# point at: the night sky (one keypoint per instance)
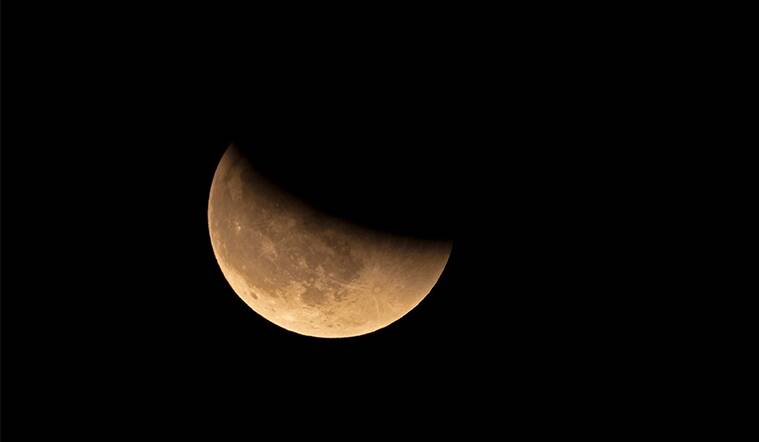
(116, 316)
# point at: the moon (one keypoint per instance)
(307, 271)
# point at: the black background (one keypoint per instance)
(116, 317)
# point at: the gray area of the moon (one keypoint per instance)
(306, 271)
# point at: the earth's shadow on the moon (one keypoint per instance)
(380, 184)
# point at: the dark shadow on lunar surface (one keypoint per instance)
(388, 181)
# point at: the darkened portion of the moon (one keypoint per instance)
(306, 270)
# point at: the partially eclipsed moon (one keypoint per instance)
(306, 271)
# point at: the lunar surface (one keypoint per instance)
(306, 271)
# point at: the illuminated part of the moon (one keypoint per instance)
(306, 271)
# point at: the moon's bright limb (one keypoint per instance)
(306, 271)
